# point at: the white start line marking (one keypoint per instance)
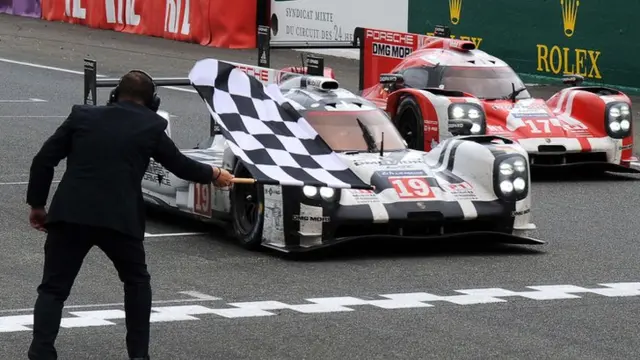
(414, 300)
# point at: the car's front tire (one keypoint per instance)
(247, 210)
(408, 121)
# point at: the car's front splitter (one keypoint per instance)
(487, 237)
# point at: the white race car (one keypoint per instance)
(466, 186)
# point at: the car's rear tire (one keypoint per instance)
(247, 210)
(408, 121)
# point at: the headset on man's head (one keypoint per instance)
(152, 103)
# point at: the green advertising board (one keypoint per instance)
(545, 38)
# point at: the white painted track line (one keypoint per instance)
(32, 100)
(31, 116)
(148, 235)
(180, 89)
(69, 71)
(23, 182)
(24, 63)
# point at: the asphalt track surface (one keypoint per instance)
(247, 305)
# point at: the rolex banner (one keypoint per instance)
(544, 39)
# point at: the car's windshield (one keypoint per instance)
(484, 82)
(340, 129)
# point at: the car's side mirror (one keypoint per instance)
(392, 82)
(572, 79)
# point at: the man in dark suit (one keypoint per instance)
(99, 202)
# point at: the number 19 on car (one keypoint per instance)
(412, 187)
(202, 199)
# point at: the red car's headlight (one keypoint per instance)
(618, 119)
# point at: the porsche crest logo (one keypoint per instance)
(455, 8)
(455, 13)
(569, 16)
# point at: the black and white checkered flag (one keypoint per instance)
(276, 144)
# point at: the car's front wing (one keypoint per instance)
(603, 154)
(299, 224)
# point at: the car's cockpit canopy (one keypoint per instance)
(346, 122)
(484, 82)
(346, 128)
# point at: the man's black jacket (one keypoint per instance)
(108, 149)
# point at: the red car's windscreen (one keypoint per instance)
(341, 131)
(483, 82)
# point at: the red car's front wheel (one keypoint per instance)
(408, 121)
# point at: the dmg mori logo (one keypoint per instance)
(455, 7)
(569, 15)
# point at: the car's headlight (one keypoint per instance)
(511, 177)
(466, 119)
(325, 193)
(618, 119)
(310, 191)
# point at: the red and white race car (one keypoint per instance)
(435, 87)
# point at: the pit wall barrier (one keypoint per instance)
(544, 39)
(216, 23)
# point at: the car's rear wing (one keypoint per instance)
(379, 50)
(93, 81)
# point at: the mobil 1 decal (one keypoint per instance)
(408, 184)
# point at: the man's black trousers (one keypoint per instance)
(64, 251)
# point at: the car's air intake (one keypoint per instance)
(320, 82)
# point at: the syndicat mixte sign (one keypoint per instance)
(333, 20)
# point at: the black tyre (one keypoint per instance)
(408, 121)
(247, 210)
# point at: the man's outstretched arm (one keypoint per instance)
(167, 154)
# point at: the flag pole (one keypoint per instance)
(243, 181)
